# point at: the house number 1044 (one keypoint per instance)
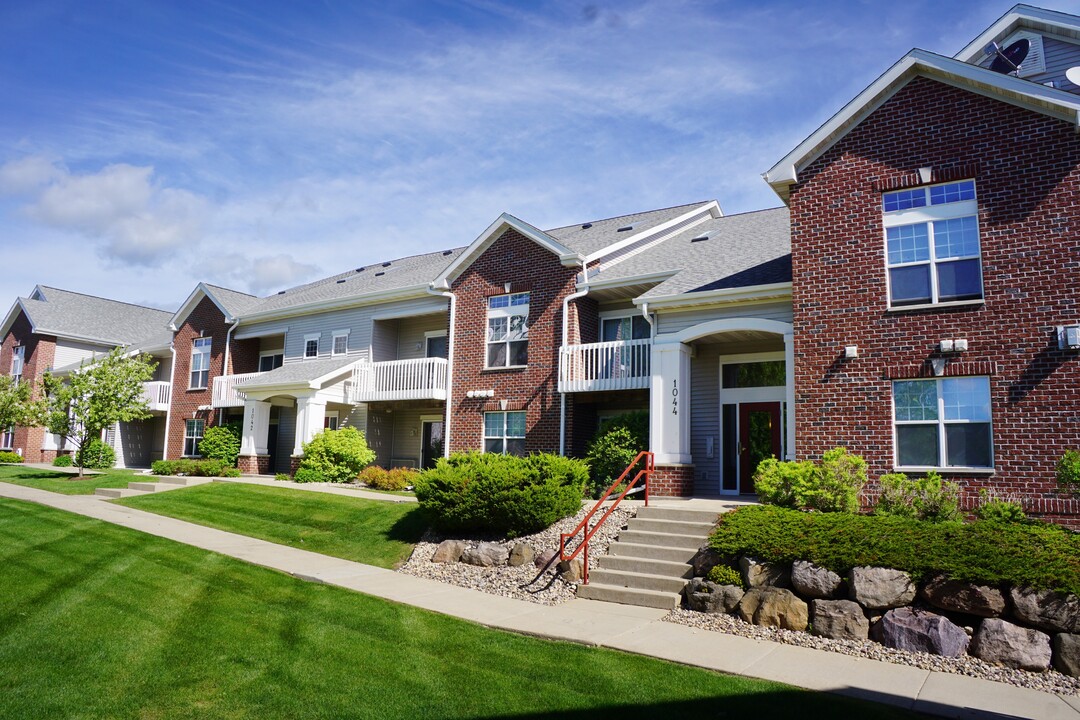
(674, 396)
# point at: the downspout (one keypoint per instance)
(228, 344)
(565, 337)
(449, 363)
(648, 319)
(172, 392)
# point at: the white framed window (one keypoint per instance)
(270, 360)
(7, 438)
(18, 359)
(311, 346)
(508, 330)
(330, 420)
(504, 433)
(193, 435)
(200, 364)
(932, 248)
(627, 327)
(435, 344)
(943, 423)
(341, 343)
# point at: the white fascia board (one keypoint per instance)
(1025, 93)
(721, 296)
(190, 304)
(490, 235)
(712, 206)
(337, 304)
(1021, 16)
(601, 284)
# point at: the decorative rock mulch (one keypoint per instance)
(506, 580)
(1049, 681)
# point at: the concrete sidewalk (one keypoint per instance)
(632, 629)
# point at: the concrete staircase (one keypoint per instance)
(649, 563)
(159, 484)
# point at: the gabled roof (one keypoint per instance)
(1021, 17)
(1047, 100)
(231, 303)
(86, 318)
(307, 374)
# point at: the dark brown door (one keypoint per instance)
(759, 439)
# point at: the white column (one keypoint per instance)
(310, 414)
(789, 366)
(669, 404)
(256, 428)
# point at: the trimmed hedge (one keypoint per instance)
(95, 455)
(193, 468)
(1032, 554)
(396, 479)
(63, 461)
(334, 456)
(10, 457)
(221, 442)
(487, 493)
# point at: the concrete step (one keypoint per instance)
(636, 581)
(641, 565)
(640, 537)
(675, 527)
(149, 486)
(680, 514)
(176, 480)
(118, 492)
(651, 552)
(629, 596)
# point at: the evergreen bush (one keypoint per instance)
(616, 444)
(1068, 472)
(335, 456)
(725, 575)
(221, 442)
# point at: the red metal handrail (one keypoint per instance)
(645, 472)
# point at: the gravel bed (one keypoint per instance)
(506, 581)
(1050, 681)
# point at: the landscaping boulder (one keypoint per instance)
(449, 551)
(486, 554)
(839, 620)
(916, 630)
(521, 554)
(757, 573)
(878, 588)
(999, 641)
(544, 558)
(774, 607)
(809, 580)
(1046, 609)
(571, 571)
(1066, 655)
(709, 597)
(704, 560)
(963, 597)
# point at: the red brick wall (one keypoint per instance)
(513, 259)
(672, 481)
(204, 321)
(38, 357)
(1028, 185)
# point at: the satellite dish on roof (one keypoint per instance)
(1008, 60)
(1073, 75)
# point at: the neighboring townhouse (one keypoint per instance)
(57, 330)
(935, 233)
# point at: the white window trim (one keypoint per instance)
(209, 345)
(187, 437)
(271, 353)
(434, 333)
(928, 214)
(18, 353)
(317, 338)
(507, 313)
(941, 424)
(333, 344)
(504, 437)
(605, 315)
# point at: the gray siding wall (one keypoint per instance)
(384, 340)
(411, 337)
(271, 343)
(135, 444)
(672, 322)
(705, 419)
(407, 446)
(163, 372)
(286, 436)
(380, 434)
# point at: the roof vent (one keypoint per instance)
(280, 292)
(379, 273)
(341, 281)
(447, 252)
(360, 269)
(625, 228)
(386, 264)
(700, 238)
(586, 226)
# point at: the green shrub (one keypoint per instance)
(781, 483)
(335, 456)
(725, 575)
(283, 477)
(381, 479)
(925, 498)
(994, 508)
(608, 456)
(1068, 472)
(1038, 555)
(95, 455)
(308, 475)
(833, 486)
(484, 492)
(221, 442)
(63, 461)
(10, 457)
(193, 468)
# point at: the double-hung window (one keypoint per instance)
(943, 423)
(193, 435)
(18, 357)
(932, 247)
(311, 346)
(508, 330)
(200, 364)
(504, 432)
(7, 438)
(341, 343)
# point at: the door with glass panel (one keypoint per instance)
(752, 419)
(432, 448)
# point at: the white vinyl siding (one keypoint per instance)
(69, 352)
(413, 332)
(704, 410)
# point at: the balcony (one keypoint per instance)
(616, 365)
(421, 379)
(157, 395)
(225, 392)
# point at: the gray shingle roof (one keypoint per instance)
(300, 372)
(603, 233)
(234, 301)
(743, 250)
(68, 314)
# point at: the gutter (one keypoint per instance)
(724, 295)
(565, 336)
(340, 303)
(446, 293)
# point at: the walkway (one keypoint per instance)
(620, 627)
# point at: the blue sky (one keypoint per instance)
(145, 146)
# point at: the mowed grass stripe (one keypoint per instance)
(135, 626)
(368, 531)
(64, 483)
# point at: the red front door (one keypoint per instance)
(759, 439)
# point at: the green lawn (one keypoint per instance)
(98, 621)
(368, 531)
(60, 482)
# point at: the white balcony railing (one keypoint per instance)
(420, 379)
(157, 395)
(225, 390)
(616, 365)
